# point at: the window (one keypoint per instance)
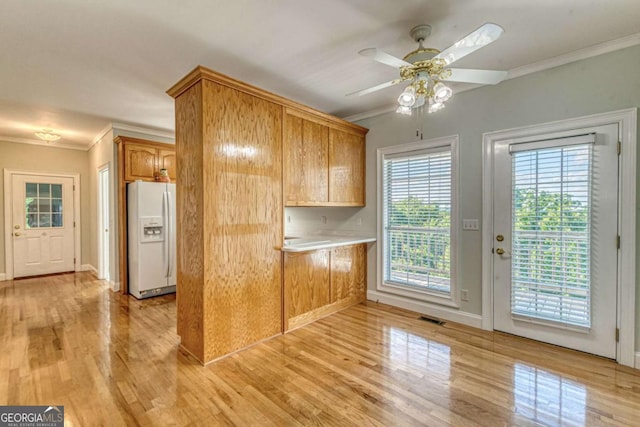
(418, 219)
(43, 203)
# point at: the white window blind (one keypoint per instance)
(417, 219)
(551, 235)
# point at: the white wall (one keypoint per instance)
(605, 83)
(41, 158)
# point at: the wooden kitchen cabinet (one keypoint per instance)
(306, 154)
(324, 162)
(346, 168)
(167, 160)
(140, 162)
(318, 283)
(348, 274)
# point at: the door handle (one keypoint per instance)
(17, 234)
(500, 251)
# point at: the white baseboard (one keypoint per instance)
(3, 277)
(444, 313)
(88, 267)
(638, 360)
(114, 286)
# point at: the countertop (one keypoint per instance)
(312, 243)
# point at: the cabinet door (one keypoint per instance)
(348, 273)
(140, 163)
(306, 285)
(346, 168)
(305, 162)
(167, 160)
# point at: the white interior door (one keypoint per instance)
(104, 221)
(43, 225)
(555, 243)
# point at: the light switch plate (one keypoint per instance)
(470, 224)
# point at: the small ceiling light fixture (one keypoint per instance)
(48, 135)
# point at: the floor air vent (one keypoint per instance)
(431, 319)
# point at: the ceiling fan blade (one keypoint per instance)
(488, 33)
(484, 77)
(374, 88)
(384, 57)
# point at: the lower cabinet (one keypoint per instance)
(321, 282)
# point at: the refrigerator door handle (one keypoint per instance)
(165, 208)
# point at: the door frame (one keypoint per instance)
(627, 132)
(104, 270)
(8, 200)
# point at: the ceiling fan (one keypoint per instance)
(426, 68)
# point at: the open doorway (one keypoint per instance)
(103, 223)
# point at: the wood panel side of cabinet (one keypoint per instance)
(189, 223)
(242, 225)
(348, 273)
(305, 170)
(306, 283)
(140, 162)
(346, 168)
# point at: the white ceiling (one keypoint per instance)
(77, 65)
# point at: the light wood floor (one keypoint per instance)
(112, 360)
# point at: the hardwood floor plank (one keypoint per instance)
(113, 360)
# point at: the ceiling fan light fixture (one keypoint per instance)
(436, 106)
(441, 92)
(408, 97)
(403, 109)
(48, 135)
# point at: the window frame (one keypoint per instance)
(419, 147)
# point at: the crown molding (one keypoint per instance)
(577, 55)
(567, 58)
(43, 144)
(147, 131)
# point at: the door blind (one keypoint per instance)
(417, 220)
(551, 234)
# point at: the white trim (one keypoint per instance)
(8, 197)
(453, 299)
(114, 286)
(3, 277)
(108, 128)
(88, 267)
(63, 145)
(147, 131)
(100, 273)
(627, 125)
(444, 313)
(578, 55)
(638, 360)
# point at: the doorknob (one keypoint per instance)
(500, 251)
(17, 234)
(17, 227)
(499, 237)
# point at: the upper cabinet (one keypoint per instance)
(142, 160)
(346, 168)
(323, 161)
(306, 157)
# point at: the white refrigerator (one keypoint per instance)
(152, 238)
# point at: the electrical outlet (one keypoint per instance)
(464, 294)
(288, 219)
(470, 224)
(359, 221)
(323, 219)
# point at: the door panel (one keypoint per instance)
(43, 225)
(555, 253)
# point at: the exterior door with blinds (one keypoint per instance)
(555, 243)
